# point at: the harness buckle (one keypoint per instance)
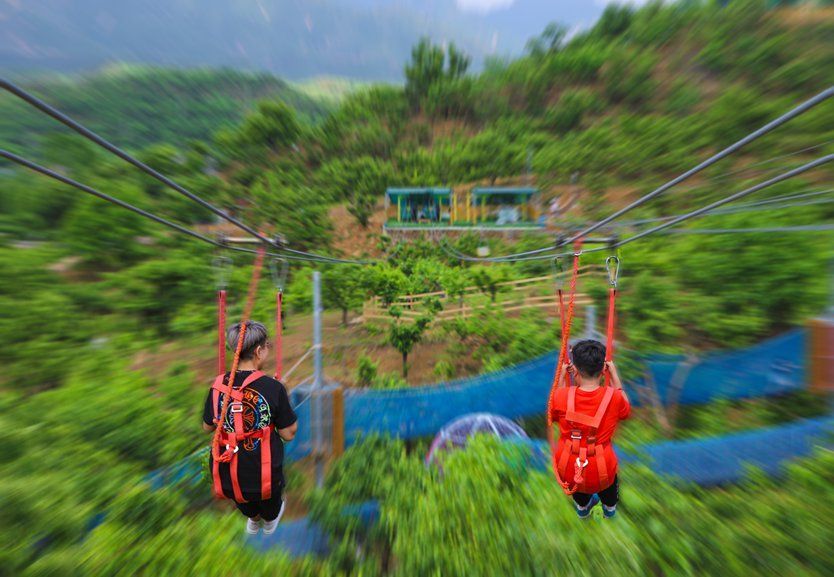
(236, 407)
(576, 435)
(237, 448)
(579, 464)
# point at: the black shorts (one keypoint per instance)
(267, 510)
(609, 496)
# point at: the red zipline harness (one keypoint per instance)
(581, 447)
(226, 444)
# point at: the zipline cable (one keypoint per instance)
(770, 204)
(684, 217)
(802, 108)
(775, 229)
(791, 114)
(113, 149)
(746, 192)
(163, 221)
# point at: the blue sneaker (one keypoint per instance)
(609, 512)
(585, 512)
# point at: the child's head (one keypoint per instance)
(589, 358)
(255, 342)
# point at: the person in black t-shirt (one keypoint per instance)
(265, 402)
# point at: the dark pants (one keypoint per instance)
(267, 510)
(609, 496)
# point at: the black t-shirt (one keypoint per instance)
(265, 401)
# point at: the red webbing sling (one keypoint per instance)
(221, 331)
(566, 320)
(240, 435)
(229, 455)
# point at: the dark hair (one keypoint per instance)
(256, 336)
(589, 358)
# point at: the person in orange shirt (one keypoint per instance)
(599, 480)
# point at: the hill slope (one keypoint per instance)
(140, 106)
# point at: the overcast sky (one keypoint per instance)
(484, 6)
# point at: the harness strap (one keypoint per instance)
(233, 439)
(266, 462)
(572, 416)
(575, 448)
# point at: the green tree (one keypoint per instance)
(489, 278)
(342, 289)
(549, 41)
(385, 282)
(105, 235)
(455, 281)
(361, 181)
(298, 212)
(366, 371)
(430, 65)
(403, 336)
(273, 125)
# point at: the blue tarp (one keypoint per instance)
(773, 367)
(721, 460)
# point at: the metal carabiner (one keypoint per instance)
(279, 275)
(222, 266)
(558, 271)
(613, 271)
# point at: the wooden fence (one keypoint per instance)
(512, 296)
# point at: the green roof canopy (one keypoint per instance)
(428, 191)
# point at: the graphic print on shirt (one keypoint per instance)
(256, 415)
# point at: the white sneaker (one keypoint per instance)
(270, 526)
(252, 527)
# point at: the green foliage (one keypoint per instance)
(297, 211)
(615, 21)
(361, 181)
(632, 102)
(154, 291)
(105, 235)
(342, 289)
(735, 113)
(366, 371)
(386, 282)
(403, 336)
(491, 508)
(573, 105)
(136, 106)
(628, 76)
(490, 278)
(431, 65)
(550, 41)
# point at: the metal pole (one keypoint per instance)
(590, 322)
(318, 379)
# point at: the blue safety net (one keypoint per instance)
(773, 367)
(725, 459)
